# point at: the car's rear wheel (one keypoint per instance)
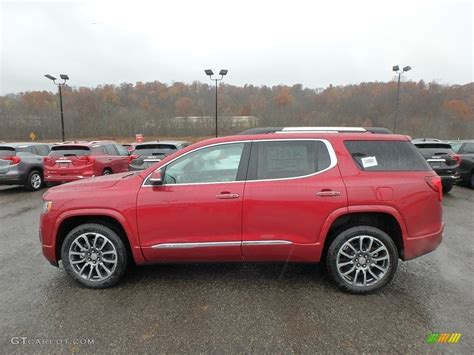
(34, 181)
(107, 172)
(447, 185)
(94, 255)
(472, 180)
(362, 259)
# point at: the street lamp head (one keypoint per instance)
(50, 77)
(395, 68)
(209, 72)
(64, 76)
(407, 68)
(223, 72)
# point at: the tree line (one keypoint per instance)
(425, 110)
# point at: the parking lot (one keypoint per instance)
(232, 307)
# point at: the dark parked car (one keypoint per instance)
(465, 150)
(70, 162)
(129, 146)
(442, 159)
(22, 164)
(147, 154)
(354, 200)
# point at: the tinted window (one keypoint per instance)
(110, 149)
(121, 150)
(42, 150)
(386, 156)
(7, 151)
(64, 151)
(456, 146)
(154, 149)
(468, 148)
(286, 159)
(25, 149)
(213, 164)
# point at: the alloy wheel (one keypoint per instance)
(35, 181)
(363, 260)
(93, 256)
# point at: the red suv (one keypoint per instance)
(75, 161)
(355, 200)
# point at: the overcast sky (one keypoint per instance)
(315, 43)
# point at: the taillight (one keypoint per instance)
(456, 158)
(48, 161)
(435, 183)
(132, 157)
(13, 158)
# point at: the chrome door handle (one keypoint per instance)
(328, 193)
(227, 196)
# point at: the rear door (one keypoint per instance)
(292, 187)
(123, 158)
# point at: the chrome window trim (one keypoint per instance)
(332, 157)
(193, 245)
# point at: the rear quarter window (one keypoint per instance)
(386, 156)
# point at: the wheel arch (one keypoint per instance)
(384, 219)
(117, 224)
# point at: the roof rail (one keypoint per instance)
(322, 129)
(266, 130)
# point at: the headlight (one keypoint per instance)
(47, 206)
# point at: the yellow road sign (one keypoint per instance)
(32, 136)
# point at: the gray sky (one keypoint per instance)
(315, 43)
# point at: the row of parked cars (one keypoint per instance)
(35, 164)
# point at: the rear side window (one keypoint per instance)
(287, 159)
(25, 149)
(386, 156)
(110, 149)
(69, 151)
(42, 150)
(468, 148)
(121, 150)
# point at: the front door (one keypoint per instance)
(196, 214)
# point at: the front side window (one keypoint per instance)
(110, 149)
(213, 164)
(288, 159)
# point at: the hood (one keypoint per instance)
(94, 183)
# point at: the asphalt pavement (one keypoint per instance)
(219, 308)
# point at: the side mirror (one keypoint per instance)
(155, 178)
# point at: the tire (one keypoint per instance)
(375, 279)
(471, 182)
(107, 171)
(447, 185)
(89, 266)
(34, 181)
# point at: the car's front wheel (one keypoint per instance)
(94, 255)
(362, 259)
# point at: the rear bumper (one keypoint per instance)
(414, 247)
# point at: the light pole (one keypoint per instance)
(397, 70)
(211, 73)
(53, 79)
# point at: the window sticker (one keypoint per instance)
(368, 162)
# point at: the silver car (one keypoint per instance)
(22, 164)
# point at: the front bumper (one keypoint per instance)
(414, 247)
